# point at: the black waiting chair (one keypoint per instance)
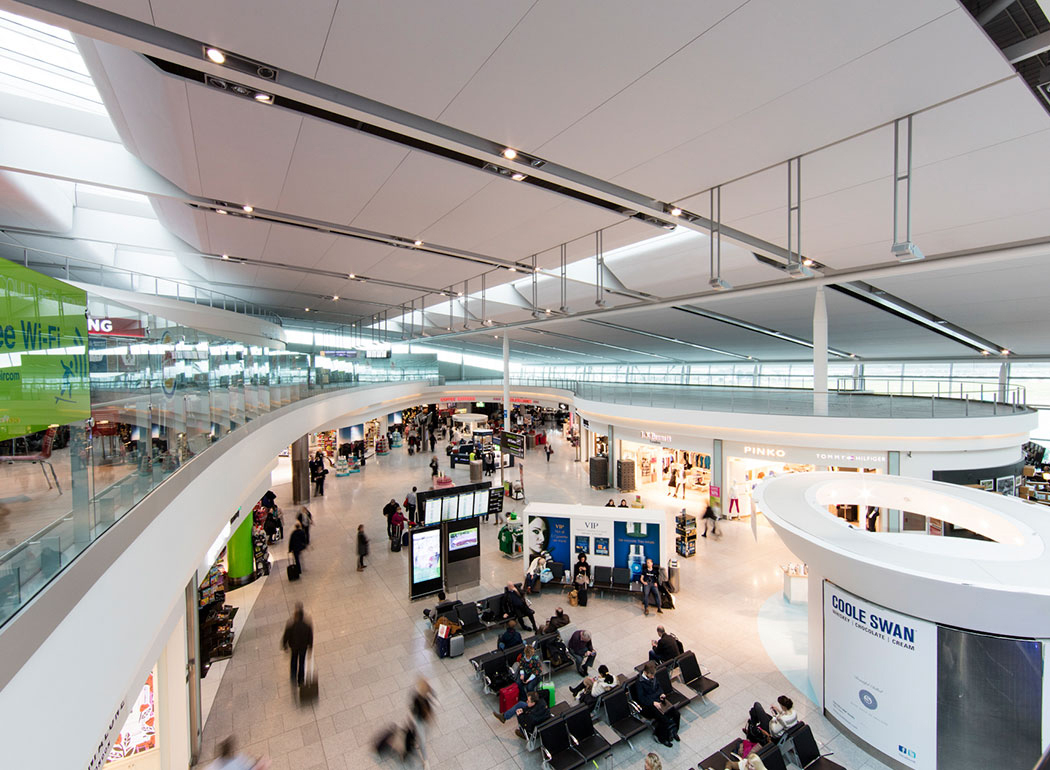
(621, 578)
(557, 749)
(603, 577)
(675, 697)
(469, 619)
(618, 715)
(496, 674)
(693, 677)
(583, 736)
(557, 572)
(773, 758)
(809, 753)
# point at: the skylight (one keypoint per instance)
(42, 62)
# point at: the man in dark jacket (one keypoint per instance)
(296, 545)
(534, 714)
(655, 706)
(665, 647)
(510, 637)
(581, 650)
(558, 620)
(515, 606)
(388, 511)
(298, 637)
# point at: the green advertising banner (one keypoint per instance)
(43, 352)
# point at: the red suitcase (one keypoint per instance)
(508, 696)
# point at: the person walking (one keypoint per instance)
(305, 519)
(710, 516)
(672, 484)
(299, 638)
(362, 547)
(420, 715)
(548, 450)
(296, 545)
(433, 441)
(433, 467)
(317, 474)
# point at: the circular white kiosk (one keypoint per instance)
(928, 650)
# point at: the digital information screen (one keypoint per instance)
(463, 538)
(432, 512)
(426, 562)
(449, 507)
(481, 502)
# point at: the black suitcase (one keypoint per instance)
(395, 544)
(404, 540)
(293, 572)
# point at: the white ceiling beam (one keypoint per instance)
(1026, 49)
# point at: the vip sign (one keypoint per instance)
(764, 451)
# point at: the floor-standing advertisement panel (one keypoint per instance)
(880, 677)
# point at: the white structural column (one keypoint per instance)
(506, 381)
(820, 354)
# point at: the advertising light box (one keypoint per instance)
(880, 676)
(425, 546)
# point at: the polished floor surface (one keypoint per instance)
(372, 642)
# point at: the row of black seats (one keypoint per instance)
(602, 578)
(474, 617)
(494, 668)
(796, 747)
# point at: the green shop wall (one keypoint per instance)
(240, 556)
(43, 352)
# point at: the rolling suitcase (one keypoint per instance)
(456, 645)
(404, 539)
(395, 544)
(293, 571)
(547, 690)
(508, 696)
(308, 689)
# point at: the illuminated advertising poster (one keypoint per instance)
(588, 535)
(426, 556)
(550, 534)
(43, 352)
(139, 733)
(633, 543)
(880, 677)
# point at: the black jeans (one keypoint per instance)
(361, 560)
(298, 665)
(298, 560)
(319, 486)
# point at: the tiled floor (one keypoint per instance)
(371, 642)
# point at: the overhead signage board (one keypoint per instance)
(513, 444)
(116, 327)
(656, 438)
(846, 458)
(880, 676)
(43, 352)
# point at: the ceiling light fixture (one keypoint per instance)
(351, 276)
(335, 297)
(264, 98)
(248, 209)
(221, 211)
(1005, 352)
(215, 55)
(517, 176)
(676, 212)
(808, 262)
(417, 243)
(513, 269)
(510, 154)
(984, 352)
(225, 256)
(306, 309)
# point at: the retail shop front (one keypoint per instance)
(658, 461)
(748, 464)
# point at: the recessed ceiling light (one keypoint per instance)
(215, 55)
(248, 209)
(513, 269)
(264, 98)
(417, 243)
(984, 352)
(459, 294)
(510, 154)
(335, 297)
(221, 211)
(676, 212)
(1005, 352)
(225, 256)
(306, 309)
(517, 176)
(807, 262)
(548, 311)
